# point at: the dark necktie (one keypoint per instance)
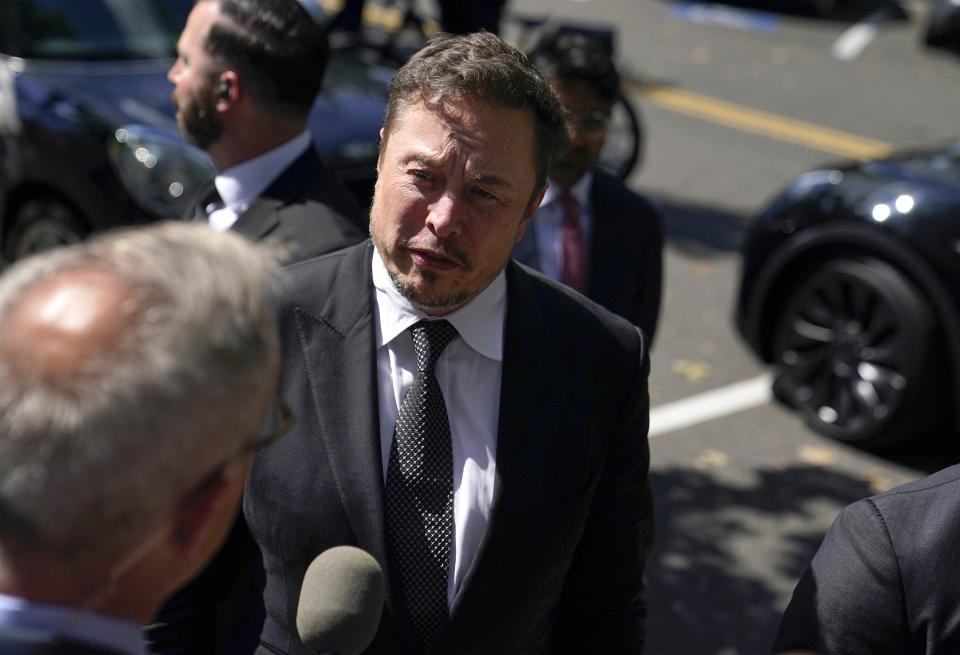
(573, 246)
(419, 490)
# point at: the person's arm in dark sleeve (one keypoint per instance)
(850, 600)
(603, 607)
(189, 622)
(647, 307)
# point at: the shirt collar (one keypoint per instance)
(479, 322)
(240, 184)
(580, 190)
(48, 621)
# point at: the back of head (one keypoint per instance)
(575, 55)
(102, 441)
(481, 66)
(279, 50)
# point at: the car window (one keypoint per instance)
(91, 29)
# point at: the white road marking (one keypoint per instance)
(710, 405)
(853, 42)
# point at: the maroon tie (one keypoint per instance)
(573, 247)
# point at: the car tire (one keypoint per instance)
(40, 224)
(855, 345)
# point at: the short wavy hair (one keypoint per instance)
(277, 47)
(485, 67)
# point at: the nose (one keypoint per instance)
(442, 215)
(173, 72)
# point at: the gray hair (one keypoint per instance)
(90, 463)
(485, 67)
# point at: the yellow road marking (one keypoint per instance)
(760, 122)
(693, 104)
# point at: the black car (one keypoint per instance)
(851, 288)
(88, 136)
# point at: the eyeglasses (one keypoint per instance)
(590, 121)
(277, 424)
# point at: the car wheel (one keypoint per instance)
(40, 224)
(854, 344)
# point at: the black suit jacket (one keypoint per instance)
(885, 579)
(560, 566)
(305, 207)
(625, 261)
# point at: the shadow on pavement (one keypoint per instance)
(727, 555)
(699, 229)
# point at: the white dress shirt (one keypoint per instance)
(41, 621)
(549, 218)
(240, 184)
(468, 372)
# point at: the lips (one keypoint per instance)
(433, 259)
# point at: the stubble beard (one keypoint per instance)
(199, 124)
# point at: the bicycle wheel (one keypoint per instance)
(623, 146)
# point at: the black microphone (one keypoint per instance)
(340, 601)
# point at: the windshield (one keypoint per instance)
(92, 29)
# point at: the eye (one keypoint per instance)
(485, 195)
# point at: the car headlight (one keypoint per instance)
(890, 202)
(158, 169)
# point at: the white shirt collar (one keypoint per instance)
(479, 322)
(240, 184)
(580, 190)
(48, 621)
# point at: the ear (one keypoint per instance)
(202, 507)
(227, 89)
(529, 212)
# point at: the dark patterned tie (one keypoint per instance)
(573, 246)
(419, 490)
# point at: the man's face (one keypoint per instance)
(453, 195)
(193, 76)
(588, 113)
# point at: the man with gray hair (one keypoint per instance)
(136, 374)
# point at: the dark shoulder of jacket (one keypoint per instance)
(303, 280)
(572, 316)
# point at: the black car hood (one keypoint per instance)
(114, 93)
(938, 166)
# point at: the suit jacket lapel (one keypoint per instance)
(260, 217)
(339, 348)
(527, 377)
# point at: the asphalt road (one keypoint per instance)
(744, 499)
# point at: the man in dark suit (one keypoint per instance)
(136, 371)
(478, 428)
(591, 231)
(885, 578)
(246, 76)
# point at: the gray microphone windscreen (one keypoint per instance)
(340, 601)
